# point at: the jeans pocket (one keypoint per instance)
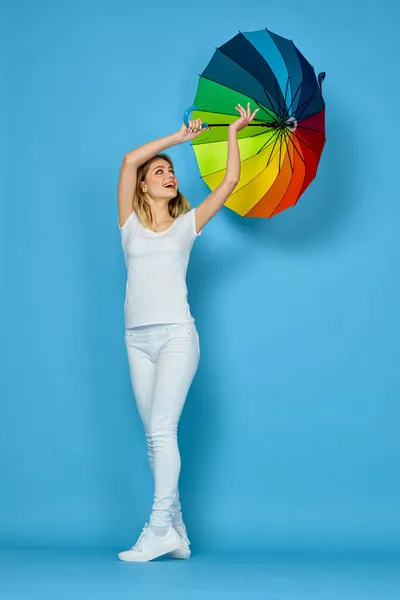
(131, 337)
(181, 330)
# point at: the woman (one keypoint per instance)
(158, 230)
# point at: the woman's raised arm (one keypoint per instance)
(138, 156)
(128, 171)
(214, 201)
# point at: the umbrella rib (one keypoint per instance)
(310, 129)
(294, 146)
(248, 183)
(255, 135)
(246, 159)
(290, 160)
(272, 151)
(308, 116)
(293, 114)
(269, 98)
(294, 97)
(286, 93)
(281, 108)
(264, 108)
(241, 93)
(291, 165)
(302, 141)
(251, 75)
(303, 107)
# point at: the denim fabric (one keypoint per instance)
(163, 361)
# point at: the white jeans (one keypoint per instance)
(163, 361)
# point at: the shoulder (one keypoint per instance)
(131, 219)
(128, 228)
(189, 221)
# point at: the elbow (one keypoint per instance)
(129, 160)
(232, 182)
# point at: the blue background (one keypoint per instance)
(289, 438)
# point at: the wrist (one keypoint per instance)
(178, 137)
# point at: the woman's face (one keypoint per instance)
(160, 180)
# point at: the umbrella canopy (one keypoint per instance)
(281, 148)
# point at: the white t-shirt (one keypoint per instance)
(156, 265)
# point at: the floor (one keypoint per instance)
(29, 574)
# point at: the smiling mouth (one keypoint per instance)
(170, 185)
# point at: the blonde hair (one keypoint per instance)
(177, 206)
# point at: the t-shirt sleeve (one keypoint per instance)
(128, 227)
(186, 229)
(192, 223)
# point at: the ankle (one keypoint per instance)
(177, 523)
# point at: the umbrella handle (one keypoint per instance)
(186, 117)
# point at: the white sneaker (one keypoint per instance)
(183, 551)
(150, 546)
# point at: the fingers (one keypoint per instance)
(241, 110)
(246, 114)
(195, 125)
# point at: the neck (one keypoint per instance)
(159, 212)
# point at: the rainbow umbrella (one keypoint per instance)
(281, 148)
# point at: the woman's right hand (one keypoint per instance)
(192, 131)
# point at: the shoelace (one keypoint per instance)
(138, 546)
(182, 533)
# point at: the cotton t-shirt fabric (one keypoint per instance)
(156, 265)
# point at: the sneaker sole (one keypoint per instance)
(136, 558)
(183, 554)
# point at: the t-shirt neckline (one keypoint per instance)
(159, 232)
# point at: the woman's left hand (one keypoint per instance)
(245, 118)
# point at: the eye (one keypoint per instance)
(160, 171)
